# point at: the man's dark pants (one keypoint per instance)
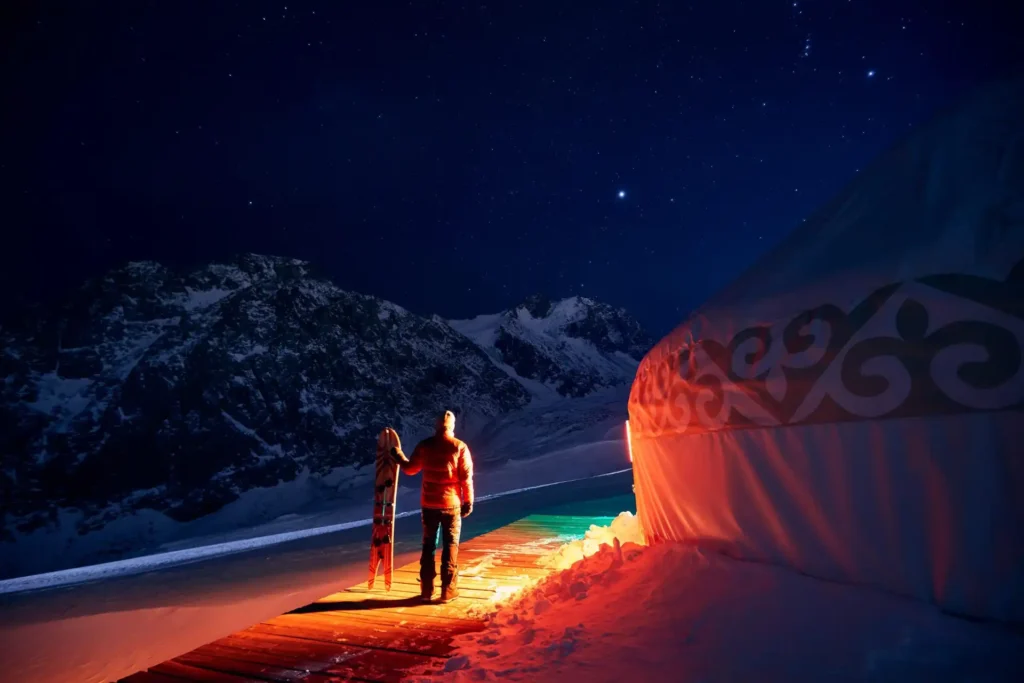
(450, 523)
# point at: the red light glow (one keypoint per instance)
(629, 442)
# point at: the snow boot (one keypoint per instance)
(426, 588)
(449, 593)
(450, 585)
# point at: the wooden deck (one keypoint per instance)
(362, 635)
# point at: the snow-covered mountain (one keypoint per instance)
(571, 347)
(178, 393)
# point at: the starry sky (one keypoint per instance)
(455, 157)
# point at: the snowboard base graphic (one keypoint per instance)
(385, 492)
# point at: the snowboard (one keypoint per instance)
(385, 491)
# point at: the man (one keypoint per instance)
(446, 497)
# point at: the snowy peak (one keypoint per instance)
(537, 305)
(610, 329)
(569, 347)
(146, 290)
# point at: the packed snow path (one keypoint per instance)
(364, 635)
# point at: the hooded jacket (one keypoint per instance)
(447, 467)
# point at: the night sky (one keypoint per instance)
(455, 157)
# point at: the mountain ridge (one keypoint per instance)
(154, 389)
(569, 347)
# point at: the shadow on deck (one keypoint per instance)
(369, 635)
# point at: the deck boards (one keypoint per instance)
(363, 635)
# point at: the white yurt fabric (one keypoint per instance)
(853, 405)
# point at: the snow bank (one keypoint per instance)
(256, 513)
(624, 529)
(623, 611)
(581, 461)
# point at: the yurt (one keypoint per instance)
(852, 407)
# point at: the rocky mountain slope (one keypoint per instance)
(151, 389)
(567, 348)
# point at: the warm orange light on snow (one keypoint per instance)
(629, 442)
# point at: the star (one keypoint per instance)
(622, 194)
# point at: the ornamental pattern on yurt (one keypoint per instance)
(938, 344)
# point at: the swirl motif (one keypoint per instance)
(973, 374)
(820, 367)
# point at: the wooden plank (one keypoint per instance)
(505, 559)
(493, 560)
(272, 658)
(509, 558)
(470, 569)
(406, 579)
(552, 525)
(482, 568)
(511, 538)
(305, 654)
(387, 620)
(403, 595)
(408, 592)
(560, 520)
(407, 582)
(149, 677)
(176, 669)
(424, 615)
(528, 554)
(601, 520)
(387, 667)
(528, 535)
(541, 532)
(398, 624)
(383, 623)
(356, 601)
(226, 660)
(358, 634)
(406, 585)
(371, 663)
(544, 523)
(436, 643)
(525, 542)
(512, 546)
(501, 573)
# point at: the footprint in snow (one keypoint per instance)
(457, 663)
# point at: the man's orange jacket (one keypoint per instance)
(447, 472)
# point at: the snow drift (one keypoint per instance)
(620, 611)
(850, 406)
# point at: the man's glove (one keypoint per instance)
(467, 509)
